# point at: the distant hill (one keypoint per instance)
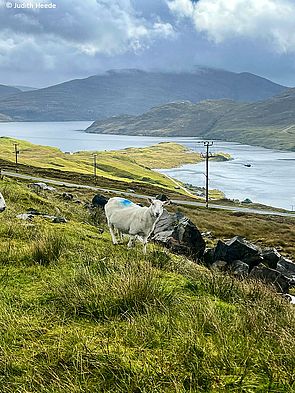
(269, 123)
(133, 92)
(6, 91)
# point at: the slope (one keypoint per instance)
(269, 123)
(133, 92)
(78, 314)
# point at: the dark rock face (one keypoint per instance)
(287, 267)
(235, 249)
(242, 258)
(239, 269)
(99, 201)
(271, 276)
(179, 234)
(162, 197)
(270, 257)
(208, 256)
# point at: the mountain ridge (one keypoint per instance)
(133, 92)
(269, 123)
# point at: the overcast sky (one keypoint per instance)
(79, 38)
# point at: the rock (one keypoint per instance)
(67, 196)
(247, 201)
(239, 268)
(59, 220)
(270, 257)
(177, 232)
(235, 249)
(32, 213)
(162, 197)
(99, 201)
(41, 186)
(208, 256)
(286, 267)
(25, 216)
(271, 276)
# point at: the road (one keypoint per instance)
(131, 194)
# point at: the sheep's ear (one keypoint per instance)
(150, 200)
(167, 202)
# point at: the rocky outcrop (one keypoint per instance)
(271, 276)
(235, 249)
(243, 258)
(178, 233)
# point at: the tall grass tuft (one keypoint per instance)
(48, 248)
(118, 293)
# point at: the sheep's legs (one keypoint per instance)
(119, 233)
(131, 241)
(144, 241)
(111, 227)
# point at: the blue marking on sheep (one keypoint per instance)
(126, 202)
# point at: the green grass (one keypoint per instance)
(78, 314)
(132, 166)
(128, 165)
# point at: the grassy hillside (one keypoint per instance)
(78, 314)
(177, 118)
(269, 123)
(128, 165)
(133, 92)
(6, 91)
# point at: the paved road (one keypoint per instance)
(131, 194)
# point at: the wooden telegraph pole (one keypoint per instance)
(16, 152)
(94, 166)
(207, 155)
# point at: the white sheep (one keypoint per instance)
(2, 203)
(131, 219)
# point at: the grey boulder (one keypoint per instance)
(271, 276)
(178, 233)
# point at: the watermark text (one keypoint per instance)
(30, 5)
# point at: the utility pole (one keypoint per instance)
(94, 166)
(16, 152)
(207, 155)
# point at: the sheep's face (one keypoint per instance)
(157, 207)
(2, 203)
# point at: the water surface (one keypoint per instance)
(270, 179)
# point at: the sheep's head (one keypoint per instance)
(2, 203)
(157, 207)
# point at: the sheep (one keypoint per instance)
(2, 203)
(131, 219)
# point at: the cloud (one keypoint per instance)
(90, 27)
(268, 21)
(82, 38)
